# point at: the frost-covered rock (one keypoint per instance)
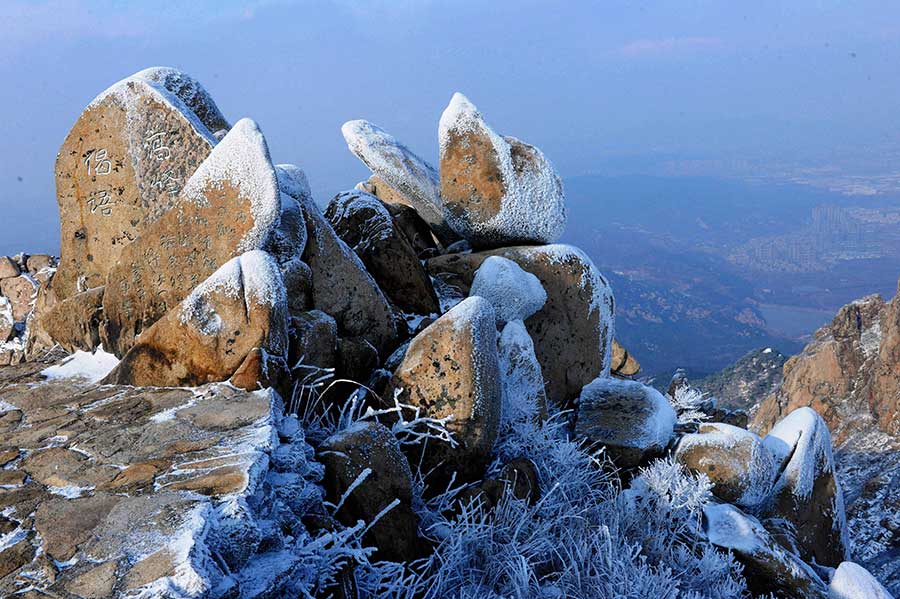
(741, 469)
(451, 371)
(622, 362)
(524, 398)
(573, 332)
(412, 180)
(514, 293)
(343, 288)
(205, 338)
(496, 190)
(852, 581)
(364, 224)
(768, 567)
(632, 420)
(230, 205)
(121, 167)
(365, 474)
(807, 493)
(190, 92)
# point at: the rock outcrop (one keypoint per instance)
(496, 191)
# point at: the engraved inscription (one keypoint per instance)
(100, 201)
(98, 162)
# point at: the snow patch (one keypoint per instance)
(852, 581)
(83, 365)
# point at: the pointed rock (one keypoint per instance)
(205, 338)
(364, 224)
(231, 205)
(634, 422)
(120, 169)
(451, 369)
(741, 469)
(573, 331)
(524, 398)
(496, 191)
(807, 493)
(412, 180)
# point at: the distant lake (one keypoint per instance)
(792, 321)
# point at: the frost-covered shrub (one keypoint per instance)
(689, 404)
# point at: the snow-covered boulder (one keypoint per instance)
(451, 371)
(631, 420)
(741, 469)
(852, 581)
(205, 338)
(365, 224)
(524, 398)
(411, 180)
(573, 331)
(229, 206)
(514, 293)
(189, 91)
(768, 567)
(122, 166)
(366, 473)
(496, 190)
(807, 493)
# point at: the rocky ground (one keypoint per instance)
(415, 393)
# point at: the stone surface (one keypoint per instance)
(230, 205)
(8, 267)
(496, 190)
(35, 263)
(412, 179)
(807, 493)
(633, 421)
(768, 568)
(313, 340)
(130, 490)
(514, 293)
(120, 168)
(451, 370)
(343, 288)
(190, 92)
(852, 581)
(623, 363)
(370, 451)
(7, 322)
(74, 323)
(522, 384)
(21, 292)
(741, 469)
(366, 226)
(206, 337)
(573, 332)
(414, 228)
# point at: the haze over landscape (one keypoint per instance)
(734, 164)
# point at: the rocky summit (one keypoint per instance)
(224, 388)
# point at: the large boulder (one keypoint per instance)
(496, 190)
(74, 323)
(230, 205)
(573, 331)
(343, 288)
(633, 421)
(366, 472)
(514, 293)
(451, 370)
(21, 292)
(768, 567)
(852, 581)
(205, 338)
(190, 92)
(410, 179)
(807, 493)
(741, 469)
(121, 168)
(364, 224)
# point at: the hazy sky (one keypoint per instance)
(599, 86)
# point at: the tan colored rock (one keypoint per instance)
(573, 332)
(623, 363)
(633, 421)
(807, 493)
(496, 191)
(230, 205)
(7, 322)
(402, 176)
(451, 369)
(768, 568)
(121, 168)
(259, 370)
(74, 323)
(8, 268)
(343, 288)
(96, 583)
(38, 262)
(741, 469)
(207, 336)
(366, 226)
(370, 451)
(21, 292)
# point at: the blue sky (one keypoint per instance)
(712, 87)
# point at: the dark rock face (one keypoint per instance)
(747, 382)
